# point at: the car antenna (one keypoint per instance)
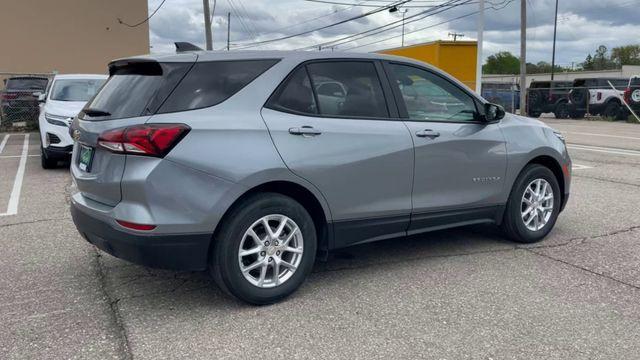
(186, 46)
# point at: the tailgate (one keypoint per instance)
(100, 181)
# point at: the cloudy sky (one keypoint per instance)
(582, 24)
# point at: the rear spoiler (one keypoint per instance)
(186, 46)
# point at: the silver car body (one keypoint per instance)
(366, 179)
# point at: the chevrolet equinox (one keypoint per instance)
(248, 164)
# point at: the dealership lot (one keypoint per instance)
(464, 293)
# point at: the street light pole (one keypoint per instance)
(479, 58)
(553, 55)
(523, 57)
(207, 24)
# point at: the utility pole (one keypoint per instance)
(228, 30)
(523, 57)
(404, 12)
(455, 36)
(553, 55)
(479, 58)
(207, 24)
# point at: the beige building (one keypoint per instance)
(69, 36)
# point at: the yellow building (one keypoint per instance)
(457, 58)
(69, 36)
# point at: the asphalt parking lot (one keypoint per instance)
(464, 293)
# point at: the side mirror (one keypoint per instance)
(493, 112)
(39, 95)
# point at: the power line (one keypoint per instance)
(145, 20)
(241, 20)
(243, 46)
(392, 25)
(318, 17)
(504, 4)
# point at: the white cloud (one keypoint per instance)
(582, 26)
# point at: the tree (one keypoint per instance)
(502, 62)
(588, 63)
(626, 55)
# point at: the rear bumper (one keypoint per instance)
(174, 251)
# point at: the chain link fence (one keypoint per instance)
(19, 103)
(598, 97)
(605, 98)
(504, 94)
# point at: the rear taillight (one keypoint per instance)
(599, 96)
(627, 95)
(7, 96)
(148, 139)
(134, 226)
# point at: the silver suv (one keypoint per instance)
(236, 163)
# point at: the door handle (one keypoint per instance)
(305, 131)
(427, 133)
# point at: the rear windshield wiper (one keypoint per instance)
(96, 112)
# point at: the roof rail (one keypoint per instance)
(186, 46)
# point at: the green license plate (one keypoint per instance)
(85, 158)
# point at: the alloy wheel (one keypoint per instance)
(271, 251)
(537, 204)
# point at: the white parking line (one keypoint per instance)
(580, 167)
(4, 142)
(15, 156)
(14, 198)
(603, 135)
(604, 150)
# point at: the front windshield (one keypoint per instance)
(75, 89)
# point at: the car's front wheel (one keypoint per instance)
(265, 249)
(533, 205)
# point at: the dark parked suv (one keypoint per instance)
(549, 97)
(17, 100)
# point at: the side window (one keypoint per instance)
(296, 94)
(210, 83)
(430, 97)
(348, 89)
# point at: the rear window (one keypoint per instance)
(210, 83)
(26, 84)
(148, 88)
(75, 89)
(135, 90)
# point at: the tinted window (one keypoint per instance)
(296, 94)
(26, 84)
(360, 93)
(75, 89)
(428, 96)
(210, 83)
(134, 90)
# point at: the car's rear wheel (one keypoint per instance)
(612, 110)
(562, 111)
(533, 205)
(45, 161)
(265, 249)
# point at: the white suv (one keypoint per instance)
(596, 97)
(66, 96)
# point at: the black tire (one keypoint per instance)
(45, 161)
(576, 114)
(224, 264)
(612, 110)
(513, 225)
(562, 111)
(535, 98)
(579, 96)
(534, 114)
